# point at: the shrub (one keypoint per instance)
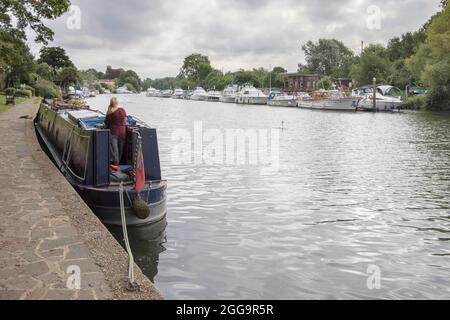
(418, 102)
(29, 88)
(24, 93)
(10, 91)
(47, 89)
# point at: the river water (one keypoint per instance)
(358, 206)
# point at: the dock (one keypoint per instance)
(52, 246)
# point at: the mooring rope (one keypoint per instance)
(131, 285)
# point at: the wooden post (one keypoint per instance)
(374, 94)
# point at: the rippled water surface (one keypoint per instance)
(353, 190)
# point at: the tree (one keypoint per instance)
(44, 71)
(196, 67)
(328, 57)
(16, 60)
(373, 62)
(147, 83)
(67, 76)
(113, 73)
(55, 57)
(16, 16)
(405, 46)
(432, 61)
(278, 77)
(325, 83)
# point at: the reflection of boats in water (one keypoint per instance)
(146, 243)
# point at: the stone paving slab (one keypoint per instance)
(46, 230)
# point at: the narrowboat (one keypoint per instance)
(77, 143)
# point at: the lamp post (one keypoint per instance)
(374, 94)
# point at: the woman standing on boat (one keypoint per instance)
(115, 121)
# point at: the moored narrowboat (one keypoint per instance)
(77, 143)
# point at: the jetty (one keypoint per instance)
(52, 246)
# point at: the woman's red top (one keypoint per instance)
(116, 123)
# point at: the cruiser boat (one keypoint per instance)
(165, 94)
(251, 95)
(178, 94)
(151, 92)
(278, 99)
(213, 96)
(78, 145)
(123, 90)
(329, 100)
(199, 94)
(229, 94)
(387, 98)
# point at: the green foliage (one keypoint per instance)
(418, 102)
(373, 62)
(55, 57)
(47, 89)
(325, 83)
(130, 87)
(67, 76)
(399, 74)
(16, 16)
(16, 60)
(45, 71)
(406, 46)
(24, 93)
(328, 57)
(196, 68)
(113, 73)
(432, 61)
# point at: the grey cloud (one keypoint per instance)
(154, 36)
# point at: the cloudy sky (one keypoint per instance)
(152, 37)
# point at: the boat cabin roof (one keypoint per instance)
(90, 120)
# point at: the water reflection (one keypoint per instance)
(147, 243)
(353, 190)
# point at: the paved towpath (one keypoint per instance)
(46, 230)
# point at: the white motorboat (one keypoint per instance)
(178, 94)
(329, 100)
(278, 99)
(151, 92)
(229, 94)
(251, 95)
(387, 98)
(123, 90)
(165, 94)
(199, 94)
(213, 96)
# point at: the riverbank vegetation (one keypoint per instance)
(413, 60)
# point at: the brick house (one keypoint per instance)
(298, 82)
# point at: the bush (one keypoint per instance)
(24, 93)
(418, 102)
(10, 91)
(47, 89)
(29, 88)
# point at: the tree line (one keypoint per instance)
(414, 59)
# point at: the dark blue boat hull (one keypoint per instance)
(82, 156)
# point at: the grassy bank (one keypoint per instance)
(4, 107)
